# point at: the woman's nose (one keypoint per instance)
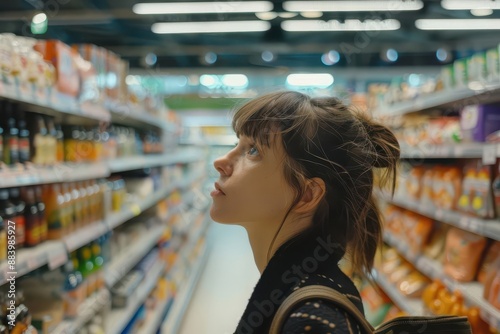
(223, 165)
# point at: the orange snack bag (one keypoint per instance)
(426, 197)
(419, 234)
(462, 254)
(492, 254)
(464, 201)
(482, 194)
(451, 188)
(414, 182)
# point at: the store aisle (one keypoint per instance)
(225, 285)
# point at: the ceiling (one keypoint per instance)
(113, 24)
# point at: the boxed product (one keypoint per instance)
(478, 121)
(63, 58)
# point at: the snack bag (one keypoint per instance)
(414, 182)
(451, 187)
(426, 195)
(464, 201)
(376, 304)
(435, 247)
(419, 234)
(462, 254)
(438, 186)
(413, 285)
(492, 254)
(482, 194)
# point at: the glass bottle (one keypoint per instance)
(51, 142)
(59, 143)
(84, 199)
(54, 209)
(24, 139)
(39, 142)
(19, 217)
(3, 240)
(8, 210)
(68, 210)
(42, 217)
(77, 205)
(32, 218)
(11, 142)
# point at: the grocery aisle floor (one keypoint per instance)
(225, 285)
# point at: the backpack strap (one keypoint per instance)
(313, 292)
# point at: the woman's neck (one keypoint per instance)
(261, 238)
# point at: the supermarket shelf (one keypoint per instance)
(412, 306)
(58, 173)
(153, 323)
(131, 115)
(28, 259)
(486, 92)
(135, 209)
(465, 150)
(84, 235)
(87, 311)
(145, 161)
(174, 318)
(63, 106)
(130, 257)
(472, 291)
(118, 319)
(486, 227)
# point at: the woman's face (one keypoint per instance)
(251, 188)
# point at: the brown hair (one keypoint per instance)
(324, 138)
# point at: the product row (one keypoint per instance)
(409, 282)
(473, 123)
(477, 69)
(28, 137)
(83, 73)
(464, 256)
(467, 186)
(50, 212)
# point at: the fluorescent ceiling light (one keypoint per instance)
(202, 7)
(311, 15)
(458, 24)
(235, 80)
(334, 25)
(39, 18)
(352, 6)
(309, 79)
(468, 5)
(209, 27)
(481, 11)
(267, 16)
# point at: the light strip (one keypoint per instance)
(334, 25)
(202, 7)
(468, 5)
(209, 27)
(309, 79)
(352, 6)
(458, 24)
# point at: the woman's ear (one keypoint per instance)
(314, 191)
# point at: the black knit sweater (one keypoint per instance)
(311, 259)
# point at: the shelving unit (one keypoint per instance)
(55, 253)
(486, 227)
(479, 93)
(472, 291)
(119, 318)
(173, 320)
(153, 323)
(86, 312)
(412, 306)
(120, 266)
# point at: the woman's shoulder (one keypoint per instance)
(319, 317)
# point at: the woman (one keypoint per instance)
(300, 182)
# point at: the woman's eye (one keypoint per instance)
(253, 151)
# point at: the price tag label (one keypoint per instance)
(136, 209)
(489, 155)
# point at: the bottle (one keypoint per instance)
(51, 142)
(54, 210)
(87, 268)
(19, 217)
(98, 261)
(22, 316)
(7, 210)
(11, 142)
(496, 192)
(59, 143)
(77, 206)
(85, 203)
(42, 217)
(72, 296)
(68, 210)
(24, 139)
(32, 218)
(3, 240)
(39, 142)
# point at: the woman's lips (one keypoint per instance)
(217, 191)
